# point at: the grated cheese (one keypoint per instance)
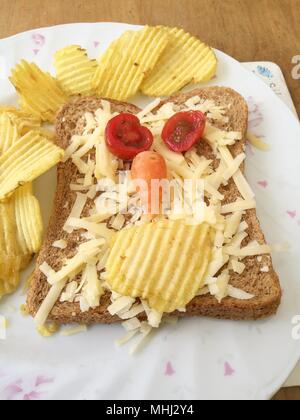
(235, 293)
(237, 266)
(191, 102)
(122, 303)
(243, 226)
(170, 319)
(97, 229)
(82, 166)
(215, 195)
(149, 108)
(204, 291)
(238, 239)
(218, 138)
(243, 186)
(89, 176)
(106, 106)
(46, 269)
(233, 223)
(102, 260)
(280, 247)
(239, 205)
(106, 163)
(73, 330)
(258, 143)
(89, 143)
(76, 142)
(86, 252)
(127, 337)
(218, 261)
(131, 324)
(48, 303)
(69, 294)
(61, 244)
(239, 179)
(91, 123)
(78, 187)
(154, 318)
(213, 289)
(222, 284)
(234, 166)
(248, 251)
(170, 156)
(118, 222)
(146, 330)
(76, 211)
(134, 311)
(92, 289)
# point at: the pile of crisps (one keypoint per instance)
(25, 153)
(157, 61)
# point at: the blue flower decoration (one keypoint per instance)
(264, 71)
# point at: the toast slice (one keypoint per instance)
(263, 285)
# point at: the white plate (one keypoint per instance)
(198, 358)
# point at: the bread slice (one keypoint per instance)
(264, 285)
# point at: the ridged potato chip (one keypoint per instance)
(10, 260)
(8, 133)
(127, 61)
(8, 243)
(48, 134)
(24, 122)
(40, 94)
(28, 220)
(74, 70)
(13, 258)
(10, 283)
(185, 60)
(25, 161)
(164, 262)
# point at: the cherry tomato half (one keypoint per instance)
(183, 130)
(126, 137)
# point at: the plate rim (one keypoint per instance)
(266, 392)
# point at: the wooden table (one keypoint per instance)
(249, 30)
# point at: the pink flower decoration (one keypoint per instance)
(250, 148)
(169, 369)
(38, 39)
(228, 370)
(13, 389)
(292, 214)
(42, 380)
(255, 115)
(263, 184)
(96, 44)
(36, 51)
(32, 396)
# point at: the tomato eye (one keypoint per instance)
(182, 131)
(126, 137)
